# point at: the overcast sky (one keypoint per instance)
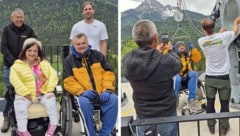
(201, 6)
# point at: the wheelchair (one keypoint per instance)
(97, 117)
(38, 118)
(200, 95)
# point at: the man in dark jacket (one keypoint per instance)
(13, 36)
(150, 74)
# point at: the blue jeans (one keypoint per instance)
(109, 115)
(169, 129)
(6, 72)
(192, 84)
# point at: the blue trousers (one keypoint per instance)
(169, 129)
(192, 84)
(6, 72)
(109, 115)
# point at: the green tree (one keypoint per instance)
(127, 46)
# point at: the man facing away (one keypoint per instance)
(13, 37)
(150, 74)
(94, 29)
(215, 48)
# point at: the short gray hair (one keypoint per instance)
(78, 36)
(143, 32)
(18, 10)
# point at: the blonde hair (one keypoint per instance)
(30, 41)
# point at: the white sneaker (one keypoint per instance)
(194, 105)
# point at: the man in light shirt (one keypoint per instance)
(215, 49)
(94, 29)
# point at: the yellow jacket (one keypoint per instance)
(23, 81)
(78, 71)
(193, 56)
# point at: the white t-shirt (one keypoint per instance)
(95, 32)
(215, 49)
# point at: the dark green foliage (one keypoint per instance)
(128, 45)
(52, 20)
(113, 61)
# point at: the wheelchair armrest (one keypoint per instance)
(59, 89)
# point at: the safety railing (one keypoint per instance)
(55, 55)
(129, 125)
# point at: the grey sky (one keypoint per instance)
(201, 6)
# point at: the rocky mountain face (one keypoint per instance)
(148, 9)
(153, 10)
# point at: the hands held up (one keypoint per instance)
(164, 48)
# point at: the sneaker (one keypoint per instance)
(5, 125)
(211, 129)
(194, 105)
(25, 133)
(51, 130)
(223, 131)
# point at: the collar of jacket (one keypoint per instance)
(18, 28)
(184, 54)
(144, 48)
(78, 55)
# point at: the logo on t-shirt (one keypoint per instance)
(210, 43)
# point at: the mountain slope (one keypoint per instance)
(157, 12)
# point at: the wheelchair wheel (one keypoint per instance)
(59, 134)
(114, 132)
(185, 112)
(66, 115)
(200, 92)
(13, 131)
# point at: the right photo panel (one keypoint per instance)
(180, 73)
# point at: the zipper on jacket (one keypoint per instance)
(89, 73)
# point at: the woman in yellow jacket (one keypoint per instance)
(34, 81)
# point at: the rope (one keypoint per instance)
(182, 36)
(194, 28)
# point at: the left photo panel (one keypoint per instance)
(59, 68)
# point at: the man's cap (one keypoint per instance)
(180, 42)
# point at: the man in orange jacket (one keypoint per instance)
(187, 73)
